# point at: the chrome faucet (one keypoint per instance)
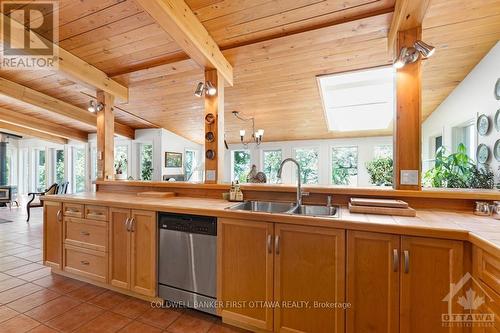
(299, 186)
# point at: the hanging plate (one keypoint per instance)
(482, 153)
(483, 125)
(496, 150)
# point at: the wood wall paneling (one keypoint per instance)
(105, 137)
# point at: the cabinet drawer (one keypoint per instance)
(86, 233)
(487, 268)
(74, 210)
(98, 213)
(87, 263)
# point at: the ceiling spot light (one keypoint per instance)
(208, 88)
(409, 55)
(95, 107)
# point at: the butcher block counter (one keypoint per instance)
(297, 257)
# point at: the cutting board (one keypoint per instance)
(153, 194)
(379, 202)
(383, 210)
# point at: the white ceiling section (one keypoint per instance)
(358, 101)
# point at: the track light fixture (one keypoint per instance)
(95, 106)
(208, 88)
(409, 55)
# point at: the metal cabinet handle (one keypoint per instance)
(59, 217)
(269, 243)
(132, 224)
(126, 223)
(84, 262)
(84, 233)
(407, 261)
(277, 245)
(395, 260)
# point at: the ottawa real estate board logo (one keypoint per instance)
(30, 35)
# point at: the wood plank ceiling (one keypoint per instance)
(277, 48)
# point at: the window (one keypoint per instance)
(9, 166)
(383, 151)
(190, 165)
(438, 143)
(121, 158)
(465, 135)
(93, 162)
(345, 166)
(380, 168)
(146, 161)
(240, 162)
(360, 100)
(272, 161)
(40, 172)
(59, 166)
(78, 170)
(308, 159)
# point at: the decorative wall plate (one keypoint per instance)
(482, 153)
(496, 150)
(483, 124)
(497, 120)
(210, 154)
(210, 137)
(497, 89)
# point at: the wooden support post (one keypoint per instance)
(215, 105)
(105, 137)
(407, 125)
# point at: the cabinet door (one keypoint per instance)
(143, 253)
(52, 229)
(428, 268)
(372, 282)
(245, 272)
(309, 266)
(119, 248)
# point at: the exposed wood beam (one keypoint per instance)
(177, 19)
(49, 103)
(26, 131)
(22, 120)
(75, 67)
(105, 137)
(408, 14)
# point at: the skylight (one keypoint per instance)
(358, 101)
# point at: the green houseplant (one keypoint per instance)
(457, 170)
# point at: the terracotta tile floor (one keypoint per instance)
(32, 299)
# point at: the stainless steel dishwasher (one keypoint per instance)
(187, 260)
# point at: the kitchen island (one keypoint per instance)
(383, 266)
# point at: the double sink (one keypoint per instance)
(290, 208)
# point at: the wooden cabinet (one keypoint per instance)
(245, 272)
(283, 265)
(428, 268)
(309, 266)
(372, 282)
(132, 242)
(52, 234)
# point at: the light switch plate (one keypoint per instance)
(210, 175)
(409, 177)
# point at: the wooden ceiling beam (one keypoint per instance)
(408, 14)
(49, 103)
(177, 19)
(30, 132)
(75, 67)
(22, 120)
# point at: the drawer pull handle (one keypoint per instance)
(85, 262)
(73, 210)
(84, 233)
(94, 213)
(395, 260)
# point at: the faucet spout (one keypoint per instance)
(299, 187)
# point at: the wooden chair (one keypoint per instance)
(53, 189)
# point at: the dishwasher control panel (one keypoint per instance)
(195, 224)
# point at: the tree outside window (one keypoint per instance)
(241, 165)
(146, 159)
(272, 161)
(79, 169)
(345, 165)
(380, 168)
(40, 171)
(383, 151)
(59, 166)
(308, 159)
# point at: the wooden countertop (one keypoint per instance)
(481, 231)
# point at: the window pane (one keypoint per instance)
(146, 162)
(9, 161)
(40, 168)
(272, 161)
(241, 165)
(189, 164)
(93, 159)
(380, 168)
(121, 158)
(383, 151)
(308, 160)
(345, 166)
(59, 166)
(79, 169)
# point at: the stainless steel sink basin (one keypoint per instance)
(320, 211)
(264, 206)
